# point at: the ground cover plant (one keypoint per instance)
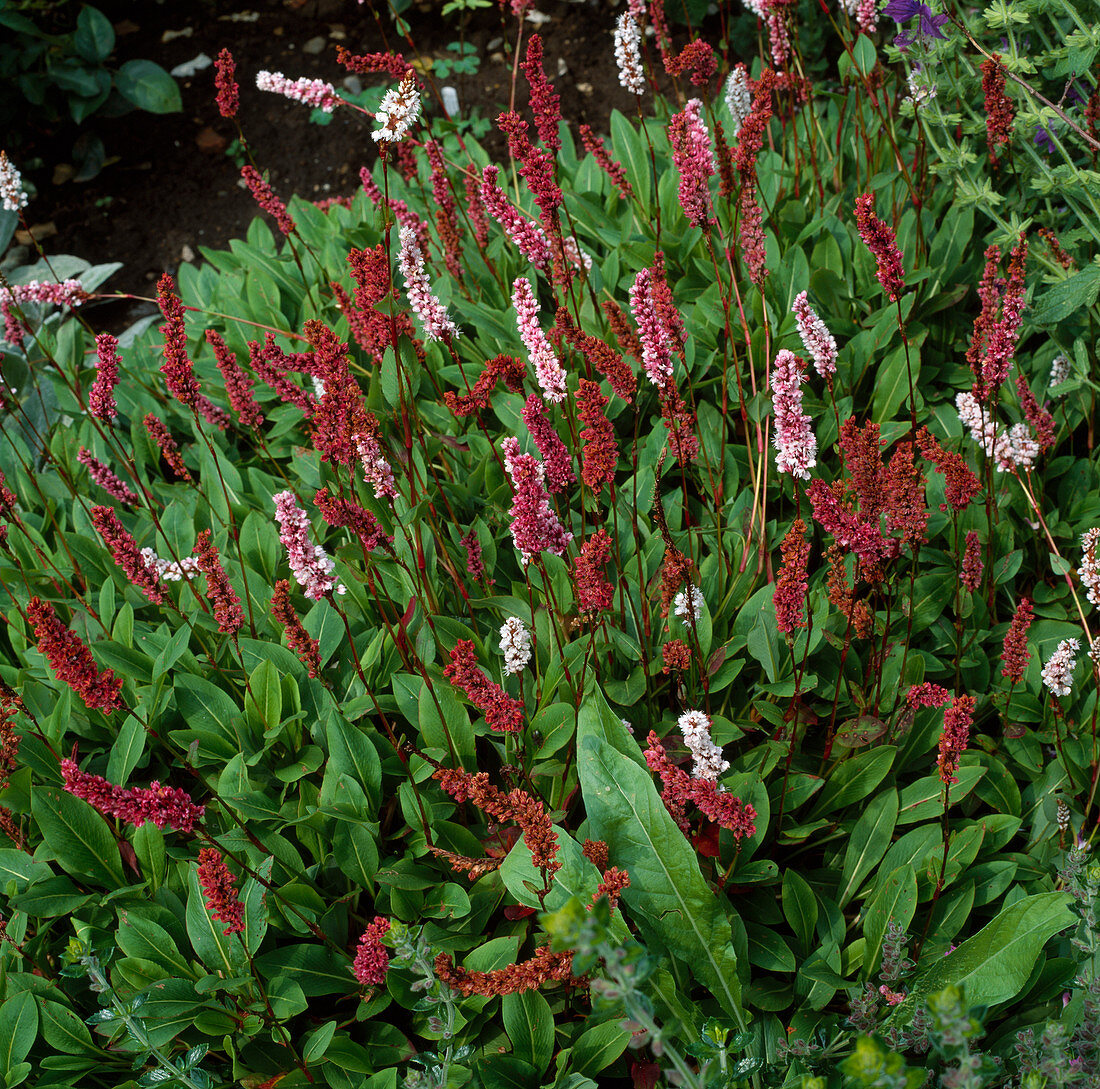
(619, 615)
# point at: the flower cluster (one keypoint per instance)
(529, 238)
(238, 385)
(372, 959)
(187, 567)
(880, 239)
(101, 398)
(265, 197)
(398, 111)
(535, 526)
(679, 788)
(970, 573)
(219, 889)
(694, 160)
(1014, 652)
(431, 312)
(125, 552)
(530, 814)
(348, 514)
(709, 764)
(169, 450)
(376, 469)
(1058, 672)
(11, 185)
(160, 805)
(999, 109)
(628, 53)
(106, 478)
(689, 602)
(300, 641)
(795, 443)
(515, 645)
(737, 98)
(791, 586)
(502, 712)
(957, 717)
(543, 967)
(229, 94)
(68, 293)
(548, 371)
(227, 605)
(816, 337)
(310, 92)
(591, 589)
(600, 454)
(310, 564)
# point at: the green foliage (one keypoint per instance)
(845, 887)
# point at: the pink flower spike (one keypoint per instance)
(11, 186)
(398, 111)
(535, 526)
(220, 890)
(101, 399)
(311, 92)
(529, 238)
(816, 337)
(310, 563)
(694, 159)
(880, 239)
(559, 468)
(431, 312)
(372, 961)
(657, 340)
(795, 442)
(126, 554)
(103, 476)
(548, 371)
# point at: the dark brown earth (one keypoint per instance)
(169, 187)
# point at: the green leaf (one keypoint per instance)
(870, 840)
(350, 751)
(50, 898)
(1066, 298)
(994, 965)
(127, 750)
(667, 890)
(799, 906)
(864, 54)
(315, 968)
(64, 1031)
(598, 1047)
(530, 1027)
(896, 900)
(78, 836)
(892, 374)
(18, 1029)
(264, 702)
(596, 719)
(149, 87)
(146, 939)
(630, 150)
(854, 779)
(356, 854)
(316, 1044)
(95, 37)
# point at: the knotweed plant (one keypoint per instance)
(586, 617)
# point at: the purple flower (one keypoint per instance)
(1043, 139)
(928, 25)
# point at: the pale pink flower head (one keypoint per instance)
(310, 563)
(816, 337)
(548, 371)
(657, 340)
(529, 238)
(795, 443)
(431, 312)
(535, 526)
(311, 92)
(1058, 672)
(709, 764)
